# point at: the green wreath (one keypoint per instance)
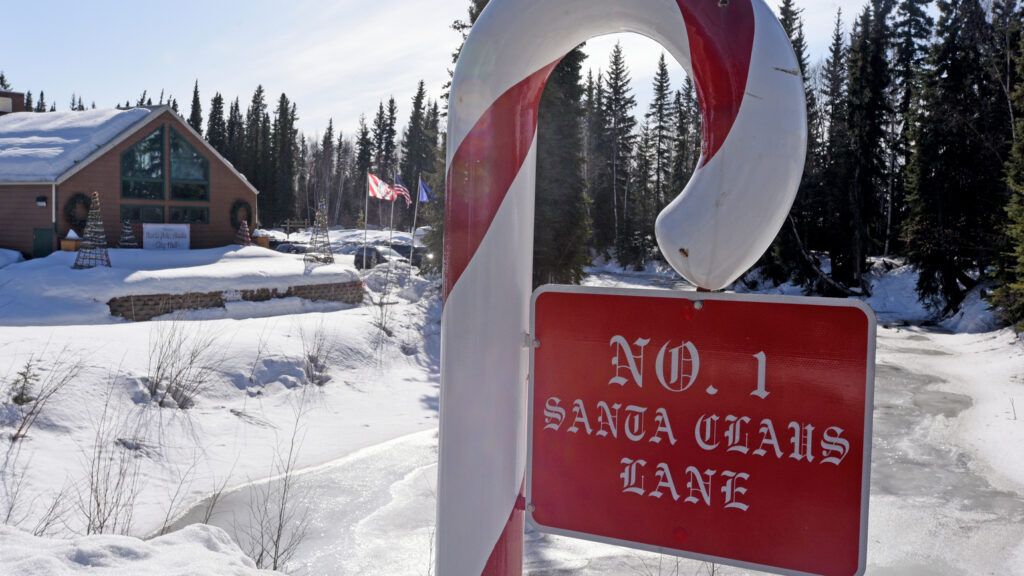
(237, 207)
(71, 212)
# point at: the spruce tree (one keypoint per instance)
(835, 161)
(598, 168)
(365, 149)
(619, 103)
(956, 191)
(912, 29)
(783, 260)
(216, 127)
(1010, 295)
(390, 143)
(417, 148)
(5, 84)
(637, 225)
(284, 160)
(235, 136)
(662, 123)
(195, 117)
(254, 143)
(29, 104)
(323, 166)
(266, 163)
(41, 104)
(867, 112)
(688, 134)
(560, 224)
(344, 170)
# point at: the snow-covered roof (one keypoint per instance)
(40, 147)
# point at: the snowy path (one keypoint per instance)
(935, 505)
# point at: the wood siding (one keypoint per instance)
(19, 215)
(104, 176)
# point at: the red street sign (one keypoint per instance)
(729, 428)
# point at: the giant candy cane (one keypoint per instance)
(754, 144)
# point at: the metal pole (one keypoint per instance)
(366, 219)
(415, 211)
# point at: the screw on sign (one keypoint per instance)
(754, 145)
(728, 428)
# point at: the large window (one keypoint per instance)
(142, 168)
(189, 215)
(190, 171)
(142, 214)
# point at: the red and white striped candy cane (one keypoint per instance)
(754, 144)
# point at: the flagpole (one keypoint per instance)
(391, 225)
(366, 218)
(415, 212)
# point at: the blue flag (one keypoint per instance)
(425, 191)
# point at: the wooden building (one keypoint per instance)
(147, 164)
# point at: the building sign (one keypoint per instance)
(730, 428)
(165, 236)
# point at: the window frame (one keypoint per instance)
(184, 181)
(162, 180)
(170, 214)
(141, 208)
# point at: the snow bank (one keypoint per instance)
(8, 257)
(894, 296)
(342, 237)
(196, 550)
(40, 147)
(48, 291)
(974, 317)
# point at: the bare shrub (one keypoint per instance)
(29, 392)
(666, 566)
(317, 350)
(106, 497)
(277, 522)
(18, 508)
(33, 387)
(185, 478)
(214, 499)
(182, 363)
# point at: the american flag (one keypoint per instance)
(399, 189)
(379, 188)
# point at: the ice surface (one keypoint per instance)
(41, 147)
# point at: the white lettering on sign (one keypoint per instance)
(682, 363)
(629, 476)
(623, 349)
(165, 236)
(677, 368)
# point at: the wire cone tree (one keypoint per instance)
(320, 243)
(128, 239)
(243, 238)
(93, 250)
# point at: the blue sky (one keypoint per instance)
(336, 59)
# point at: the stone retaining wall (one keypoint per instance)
(149, 306)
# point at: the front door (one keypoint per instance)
(42, 242)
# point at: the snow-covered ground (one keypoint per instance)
(948, 470)
(198, 550)
(47, 291)
(8, 257)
